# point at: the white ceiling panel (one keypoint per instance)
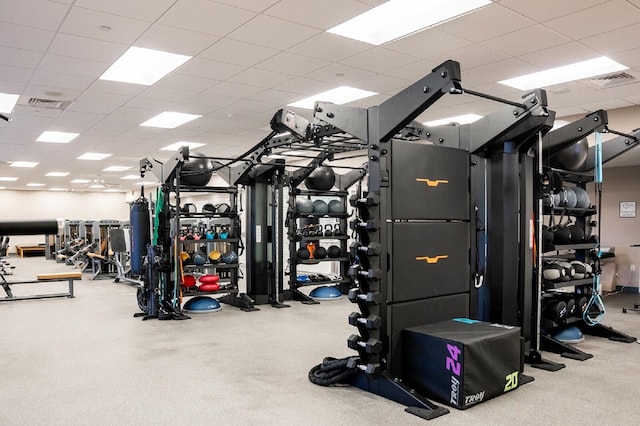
(318, 14)
(488, 22)
(330, 47)
(383, 84)
(275, 97)
(72, 66)
(175, 40)
(560, 55)
(43, 14)
(19, 57)
(630, 58)
(504, 69)
(470, 57)
(234, 90)
(205, 16)
(15, 74)
(249, 105)
(614, 41)
(11, 87)
(155, 106)
(526, 40)
(22, 37)
(117, 88)
(605, 17)
(209, 69)
(61, 80)
(257, 77)
(254, 5)
(75, 121)
(88, 49)
(379, 59)
(102, 26)
(413, 71)
(186, 82)
(166, 94)
(304, 86)
(272, 32)
(210, 102)
(290, 63)
(237, 52)
(544, 10)
(340, 74)
(144, 10)
(42, 91)
(428, 43)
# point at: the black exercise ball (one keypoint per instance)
(334, 251)
(196, 171)
(320, 252)
(562, 235)
(573, 157)
(321, 179)
(320, 207)
(577, 233)
(303, 253)
(336, 207)
(547, 235)
(570, 197)
(582, 198)
(304, 205)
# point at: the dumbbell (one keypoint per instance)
(555, 310)
(368, 225)
(371, 298)
(372, 322)
(372, 369)
(369, 200)
(370, 346)
(370, 274)
(373, 249)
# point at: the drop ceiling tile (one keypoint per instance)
(544, 10)
(186, 82)
(11, 87)
(175, 40)
(75, 121)
(488, 22)
(275, 97)
(237, 52)
(614, 41)
(526, 40)
(596, 20)
(317, 14)
(383, 84)
(87, 49)
(414, 71)
(144, 10)
(304, 86)
(290, 63)
(340, 74)
(19, 57)
(165, 94)
(117, 88)
(428, 43)
(559, 55)
(250, 105)
(570, 111)
(272, 32)
(205, 16)
(208, 103)
(329, 47)
(630, 58)
(61, 80)
(234, 90)
(72, 66)
(45, 15)
(470, 57)
(21, 37)
(254, 5)
(15, 74)
(261, 78)
(87, 23)
(379, 59)
(155, 106)
(209, 69)
(607, 104)
(502, 70)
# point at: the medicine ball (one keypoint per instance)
(189, 208)
(198, 259)
(304, 205)
(569, 272)
(303, 253)
(573, 157)
(208, 208)
(553, 272)
(215, 256)
(580, 269)
(336, 207)
(320, 207)
(334, 251)
(321, 179)
(562, 235)
(582, 198)
(188, 281)
(223, 208)
(196, 171)
(547, 235)
(577, 233)
(589, 270)
(230, 257)
(570, 197)
(320, 252)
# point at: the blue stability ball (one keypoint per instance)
(201, 305)
(325, 293)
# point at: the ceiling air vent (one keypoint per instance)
(616, 79)
(44, 103)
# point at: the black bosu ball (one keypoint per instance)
(196, 171)
(321, 179)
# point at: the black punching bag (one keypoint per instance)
(139, 233)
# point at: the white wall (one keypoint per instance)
(42, 205)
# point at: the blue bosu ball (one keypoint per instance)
(325, 293)
(201, 305)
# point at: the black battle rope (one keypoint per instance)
(332, 371)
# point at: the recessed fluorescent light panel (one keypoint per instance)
(170, 120)
(571, 72)
(35, 184)
(57, 174)
(56, 137)
(176, 146)
(339, 95)
(459, 119)
(131, 177)
(143, 66)
(398, 18)
(80, 181)
(27, 164)
(57, 189)
(116, 169)
(8, 102)
(95, 156)
(8, 179)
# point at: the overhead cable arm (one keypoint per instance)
(614, 147)
(565, 136)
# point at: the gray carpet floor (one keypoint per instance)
(88, 361)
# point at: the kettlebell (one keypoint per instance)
(311, 248)
(328, 230)
(224, 233)
(211, 234)
(336, 230)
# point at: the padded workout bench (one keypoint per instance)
(42, 278)
(22, 250)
